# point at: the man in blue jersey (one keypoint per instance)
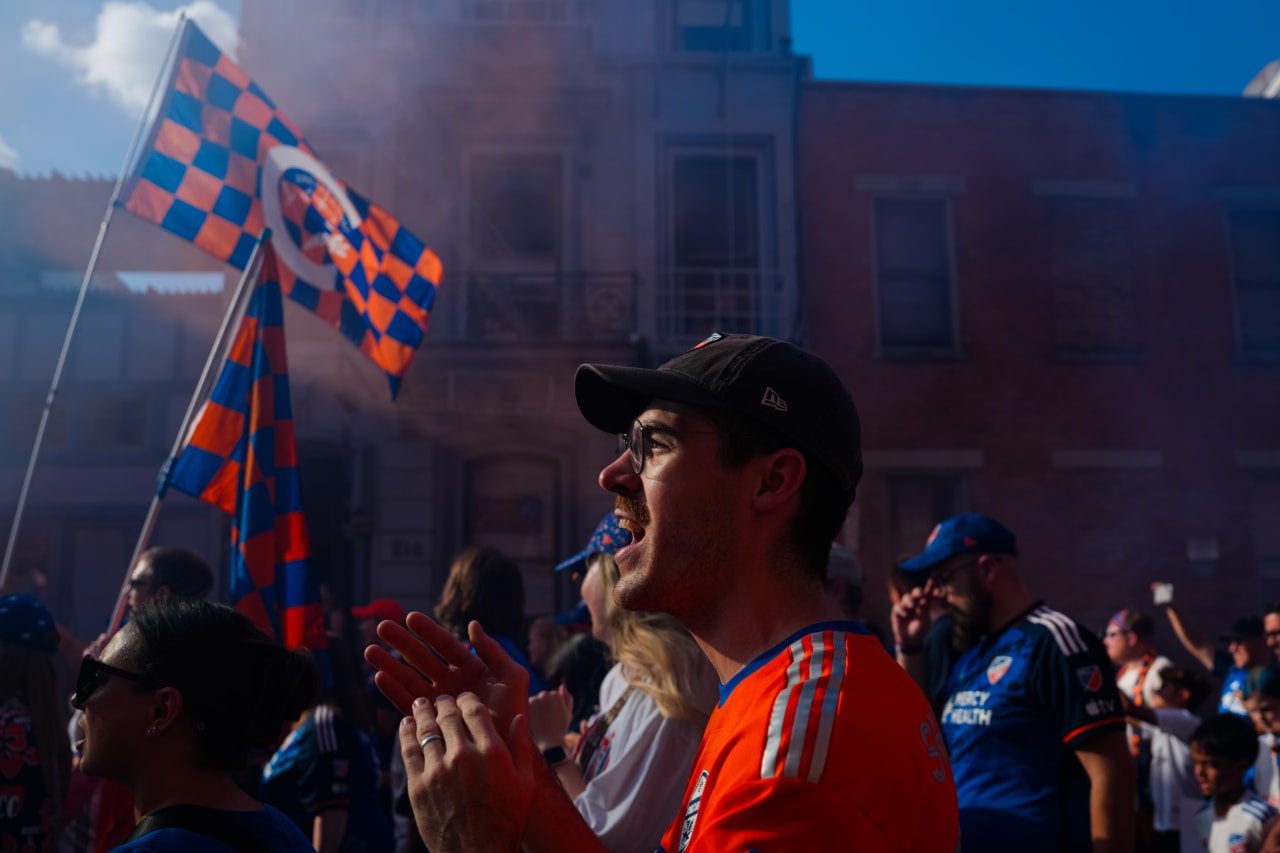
(1032, 719)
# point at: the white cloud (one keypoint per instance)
(8, 155)
(129, 44)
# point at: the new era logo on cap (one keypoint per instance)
(773, 401)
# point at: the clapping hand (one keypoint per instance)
(434, 663)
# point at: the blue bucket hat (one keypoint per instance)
(609, 536)
(24, 621)
(971, 533)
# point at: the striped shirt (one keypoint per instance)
(822, 742)
(1241, 830)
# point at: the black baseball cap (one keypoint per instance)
(1244, 628)
(772, 382)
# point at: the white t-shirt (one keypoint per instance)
(1241, 830)
(637, 776)
(1266, 779)
(1174, 791)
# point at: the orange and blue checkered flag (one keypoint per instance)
(240, 456)
(224, 162)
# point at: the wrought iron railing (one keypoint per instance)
(695, 301)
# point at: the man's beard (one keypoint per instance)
(971, 619)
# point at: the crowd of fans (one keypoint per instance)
(191, 729)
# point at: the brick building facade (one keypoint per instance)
(1062, 309)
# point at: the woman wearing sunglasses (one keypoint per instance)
(172, 709)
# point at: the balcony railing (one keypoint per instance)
(544, 306)
(695, 301)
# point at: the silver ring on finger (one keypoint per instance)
(428, 739)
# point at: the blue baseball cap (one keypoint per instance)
(24, 621)
(971, 533)
(610, 535)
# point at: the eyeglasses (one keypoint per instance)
(634, 443)
(1114, 633)
(639, 442)
(91, 677)
(943, 579)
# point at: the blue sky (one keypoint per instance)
(73, 72)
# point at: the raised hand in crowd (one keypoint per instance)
(550, 713)
(911, 620)
(910, 615)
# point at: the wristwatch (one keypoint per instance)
(555, 755)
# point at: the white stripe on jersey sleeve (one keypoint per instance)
(1064, 630)
(769, 762)
(805, 678)
(326, 733)
(826, 722)
(1258, 808)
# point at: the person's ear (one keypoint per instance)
(166, 707)
(781, 475)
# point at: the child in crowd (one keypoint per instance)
(1235, 820)
(1167, 724)
(1262, 700)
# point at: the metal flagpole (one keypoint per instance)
(216, 353)
(75, 312)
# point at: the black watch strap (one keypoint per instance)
(555, 755)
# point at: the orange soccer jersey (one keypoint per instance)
(821, 743)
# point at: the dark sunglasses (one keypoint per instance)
(92, 676)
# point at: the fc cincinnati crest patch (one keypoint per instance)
(691, 812)
(1090, 678)
(998, 667)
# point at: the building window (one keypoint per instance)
(715, 242)
(117, 422)
(917, 502)
(517, 207)
(1255, 257)
(719, 25)
(1091, 274)
(913, 275)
